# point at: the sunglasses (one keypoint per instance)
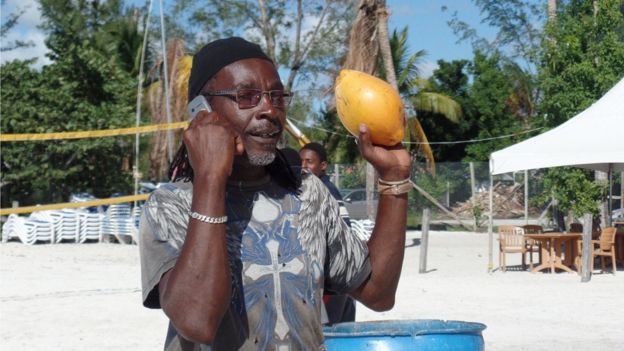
(249, 98)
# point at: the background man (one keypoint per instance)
(314, 160)
(340, 308)
(237, 251)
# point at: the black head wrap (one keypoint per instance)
(216, 55)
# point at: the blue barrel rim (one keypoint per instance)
(415, 327)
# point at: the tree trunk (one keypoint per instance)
(552, 10)
(386, 55)
(267, 30)
(384, 45)
(363, 46)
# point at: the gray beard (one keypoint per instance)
(261, 159)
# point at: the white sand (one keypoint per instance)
(75, 297)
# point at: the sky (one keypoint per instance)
(427, 23)
(428, 29)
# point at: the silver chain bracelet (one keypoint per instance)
(207, 219)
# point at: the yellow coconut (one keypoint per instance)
(362, 98)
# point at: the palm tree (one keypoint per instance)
(127, 43)
(179, 68)
(416, 94)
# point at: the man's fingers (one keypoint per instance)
(205, 117)
(364, 142)
(239, 149)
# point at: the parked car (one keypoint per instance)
(617, 214)
(355, 202)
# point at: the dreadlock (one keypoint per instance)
(281, 170)
(180, 168)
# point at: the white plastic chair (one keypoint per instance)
(90, 226)
(119, 223)
(66, 224)
(27, 230)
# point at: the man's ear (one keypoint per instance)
(323, 166)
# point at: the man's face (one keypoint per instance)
(259, 127)
(311, 161)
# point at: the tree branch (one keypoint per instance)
(265, 26)
(294, 67)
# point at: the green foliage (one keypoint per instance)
(85, 88)
(573, 189)
(353, 176)
(488, 101)
(451, 79)
(447, 178)
(583, 57)
(340, 148)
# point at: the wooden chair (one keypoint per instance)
(511, 240)
(603, 247)
(533, 245)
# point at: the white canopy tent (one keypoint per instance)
(593, 139)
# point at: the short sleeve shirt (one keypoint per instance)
(284, 249)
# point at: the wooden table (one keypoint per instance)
(551, 250)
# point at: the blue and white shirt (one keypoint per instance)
(284, 250)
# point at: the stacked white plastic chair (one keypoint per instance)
(368, 225)
(119, 223)
(27, 230)
(15, 227)
(90, 226)
(66, 225)
(41, 230)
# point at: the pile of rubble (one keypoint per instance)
(507, 201)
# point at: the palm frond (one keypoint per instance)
(437, 103)
(417, 134)
(410, 71)
(178, 68)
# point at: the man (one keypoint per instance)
(340, 308)
(314, 160)
(237, 251)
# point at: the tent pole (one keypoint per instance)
(526, 196)
(610, 182)
(622, 189)
(490, 230)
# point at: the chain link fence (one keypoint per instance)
(458, 196)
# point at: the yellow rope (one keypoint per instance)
(113, 200)
(92, 133)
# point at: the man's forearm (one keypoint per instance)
(386, 248)
(195, 294)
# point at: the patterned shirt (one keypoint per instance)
(284, 249)
(336, 194)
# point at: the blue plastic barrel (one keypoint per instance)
(403, 335)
